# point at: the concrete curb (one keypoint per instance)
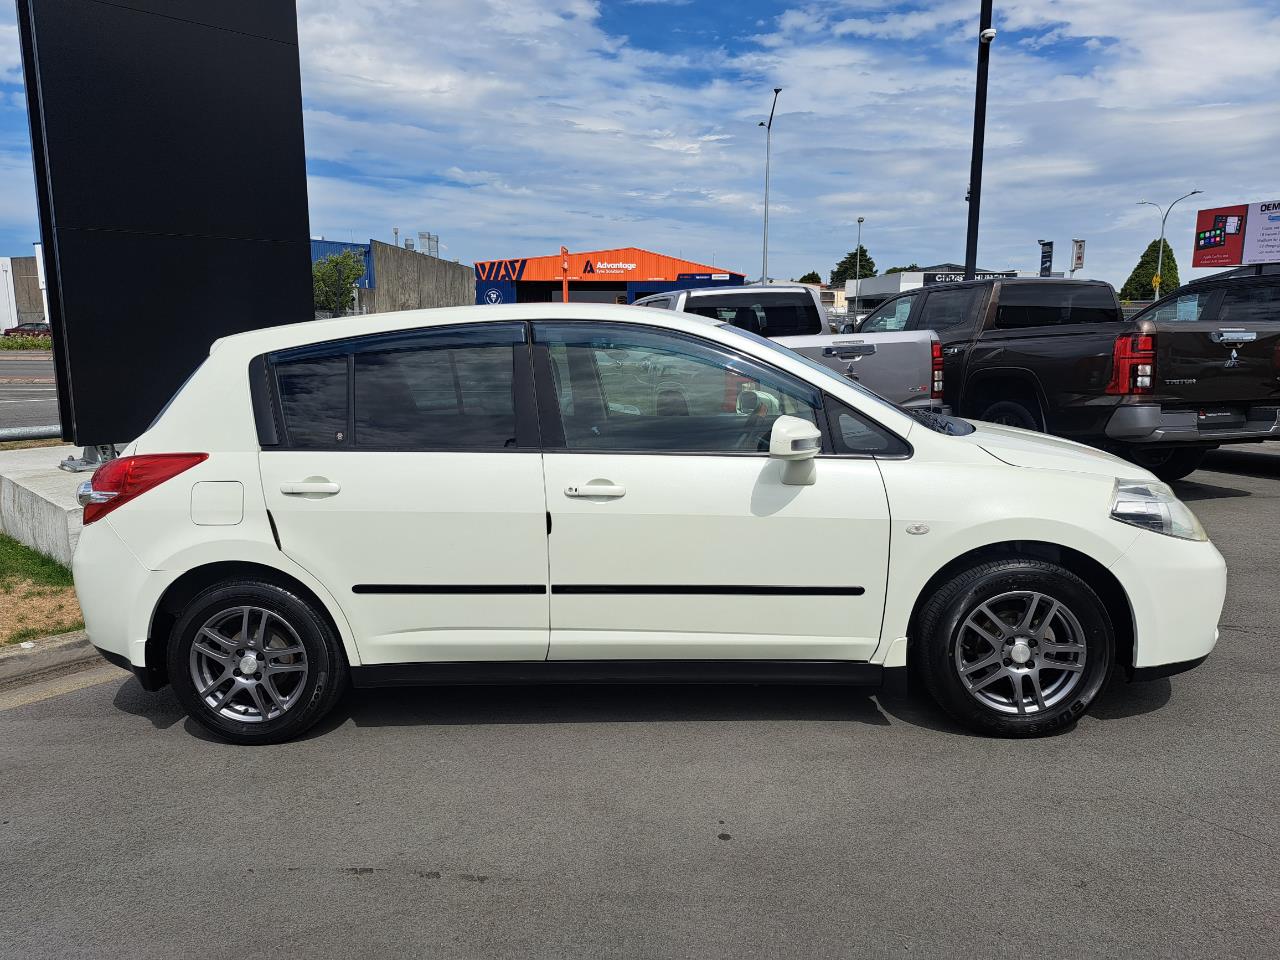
(19, 664)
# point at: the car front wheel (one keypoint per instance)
(1017, 647)
(255, 663)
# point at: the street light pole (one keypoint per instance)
(857, 270)
(985, 36)
(1164, 215)
(768, 148)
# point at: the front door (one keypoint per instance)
(410, 484)
(672, 533)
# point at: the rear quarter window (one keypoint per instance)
(1036, 304)
(770, 314)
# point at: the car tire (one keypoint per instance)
(1168, 464)
(974, 643)
(255, 663)
(1011, 413)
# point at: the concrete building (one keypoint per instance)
(400, 278)
(872, 291)
(20, 298)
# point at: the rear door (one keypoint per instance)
(1219, 345)
(406, 477)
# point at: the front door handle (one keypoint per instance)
(310, 488)
(596, 488)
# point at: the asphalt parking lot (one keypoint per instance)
(668, 822)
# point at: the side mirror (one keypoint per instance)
(795, 442)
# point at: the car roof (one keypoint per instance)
(747, 289)
(285, 336)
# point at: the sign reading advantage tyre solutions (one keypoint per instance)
(1237, 236)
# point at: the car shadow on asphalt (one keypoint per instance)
(641, 703)
(1246, 462)
(1189, 491)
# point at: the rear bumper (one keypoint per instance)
(1152, 423)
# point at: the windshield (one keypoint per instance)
(772, 313)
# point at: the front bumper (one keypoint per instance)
(1176, 589)
(1152, 423)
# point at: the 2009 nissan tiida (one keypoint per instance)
(585, 493)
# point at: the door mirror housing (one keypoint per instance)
(795, 442)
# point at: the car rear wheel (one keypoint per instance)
(1168, 464)
(255, 663)
(1011, 413)
(1015, 647)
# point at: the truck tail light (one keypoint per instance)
(935, 393)
(117, 482)
(1133, 369)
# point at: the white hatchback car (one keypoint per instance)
(585, 493)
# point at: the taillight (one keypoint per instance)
(1133, 369)
(117, 482)
(936, 392)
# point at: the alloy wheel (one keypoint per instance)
(1020, 653)
(248, 664)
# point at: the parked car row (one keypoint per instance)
(1194, 370)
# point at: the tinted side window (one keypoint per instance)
(313, 398)
(630, 389)
(781, 314)
(889, 317)
(439, 392)
(1188, 308)
(1252, 304)
(1048, 304)
(447, 389)
(949, 309)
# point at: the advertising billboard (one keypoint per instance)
(1239, 235)
(171, 184)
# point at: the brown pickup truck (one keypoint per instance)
(1196, 369)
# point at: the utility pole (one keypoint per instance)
(857, 270)
(1164, 215)
(768, 149)
(985, 36)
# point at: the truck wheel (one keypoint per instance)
(1011, 413)
(1015, 647)
(1168, 464)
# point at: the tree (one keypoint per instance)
(811, 277)
(846, 268)
(907, 269)
(1138, 286)
(332, 279)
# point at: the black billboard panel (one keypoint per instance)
(171, 179)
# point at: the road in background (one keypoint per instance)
(670, 821)
(27, 395)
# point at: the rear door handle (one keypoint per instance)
(594, 489)
(310, 488)
(952, 351)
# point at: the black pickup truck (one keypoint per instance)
(1196, 369)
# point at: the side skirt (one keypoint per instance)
(618, 671)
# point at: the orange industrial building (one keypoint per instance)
(595, 276)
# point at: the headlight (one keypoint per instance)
(1153, 506)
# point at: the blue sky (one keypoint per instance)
(512, 126)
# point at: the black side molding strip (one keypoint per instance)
(639, 589)
(700, 590)
(442, 589)
(498, 673)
